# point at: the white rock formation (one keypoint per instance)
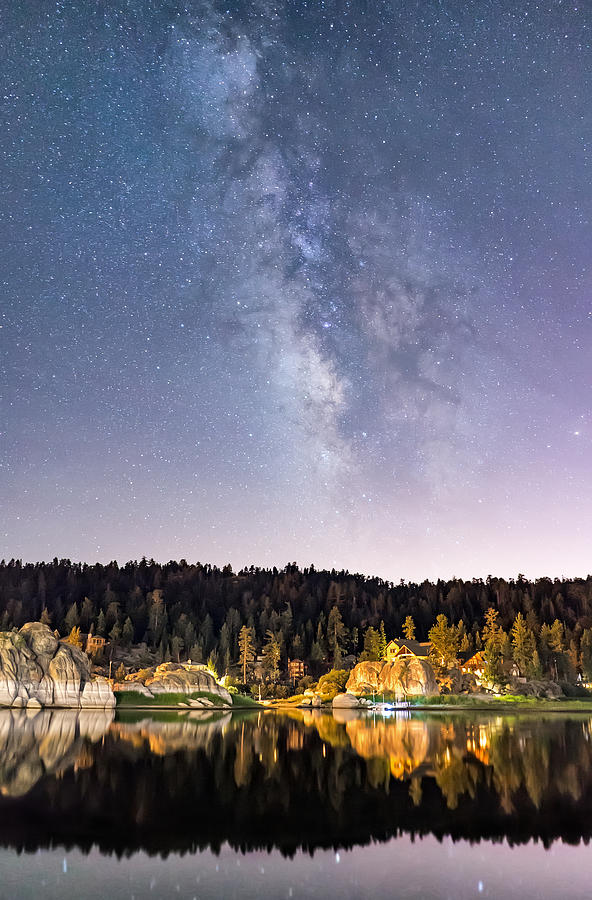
(345, 701)
(36, 669)
(176, 678)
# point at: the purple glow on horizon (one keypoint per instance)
(307, 285)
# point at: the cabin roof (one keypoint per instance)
(417, 648)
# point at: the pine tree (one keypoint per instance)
(71, 620)
(176, 647)
(213, 664)
(382, 644)
(371, 644)
(493, 637)
(336, 633)
(120, 673)
(272, 652)
(317, 654)
(444, 639)
(409, 628)
(127, 633)
(297, 647)
(86, 614)
(465, 643)
(586, 651)
(523, 644)
(535, 669)
(101, 625)
(74, 637)
(557, 637)
(246, 646)
(320, 639)
(196, 652)
(156, 616)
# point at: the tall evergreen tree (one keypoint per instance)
(336, 633)
(494, 638)
(272, 652)
(523, 644)
(246, 646)
(444, 639)
(409, 628)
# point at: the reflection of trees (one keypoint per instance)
(455, 775)
(300, 779)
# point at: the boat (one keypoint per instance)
(396, 706)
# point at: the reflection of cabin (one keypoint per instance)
(296, 668)
(403, 647)
(94, 643)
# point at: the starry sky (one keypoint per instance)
(298, 281)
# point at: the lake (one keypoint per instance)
(294, 804)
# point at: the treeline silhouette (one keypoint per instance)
(182, 610)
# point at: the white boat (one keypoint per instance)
(392, 706)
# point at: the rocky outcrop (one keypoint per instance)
(311, 698)
(176, 678)
(539, 688)
(345, 701)
(363, 678)
(405, 676)
(38, 670)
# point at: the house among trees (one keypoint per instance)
(475, 665)
(296, 669)
(93, 643)
(403, 647)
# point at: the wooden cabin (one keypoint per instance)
(399, 647)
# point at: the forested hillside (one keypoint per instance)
(197, 611)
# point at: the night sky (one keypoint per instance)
(298, 281)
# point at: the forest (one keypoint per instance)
(326, 618)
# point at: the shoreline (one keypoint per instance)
(563, 705)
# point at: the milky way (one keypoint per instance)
(298, 281)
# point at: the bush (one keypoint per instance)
(332, 683)
(271, 691)
(305, 683)
(243, 701)
(573, 690)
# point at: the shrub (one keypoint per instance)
(332, 683)
(573, 690)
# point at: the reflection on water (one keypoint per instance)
(288, 780)
(34, 744)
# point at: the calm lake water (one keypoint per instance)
(299, 804)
